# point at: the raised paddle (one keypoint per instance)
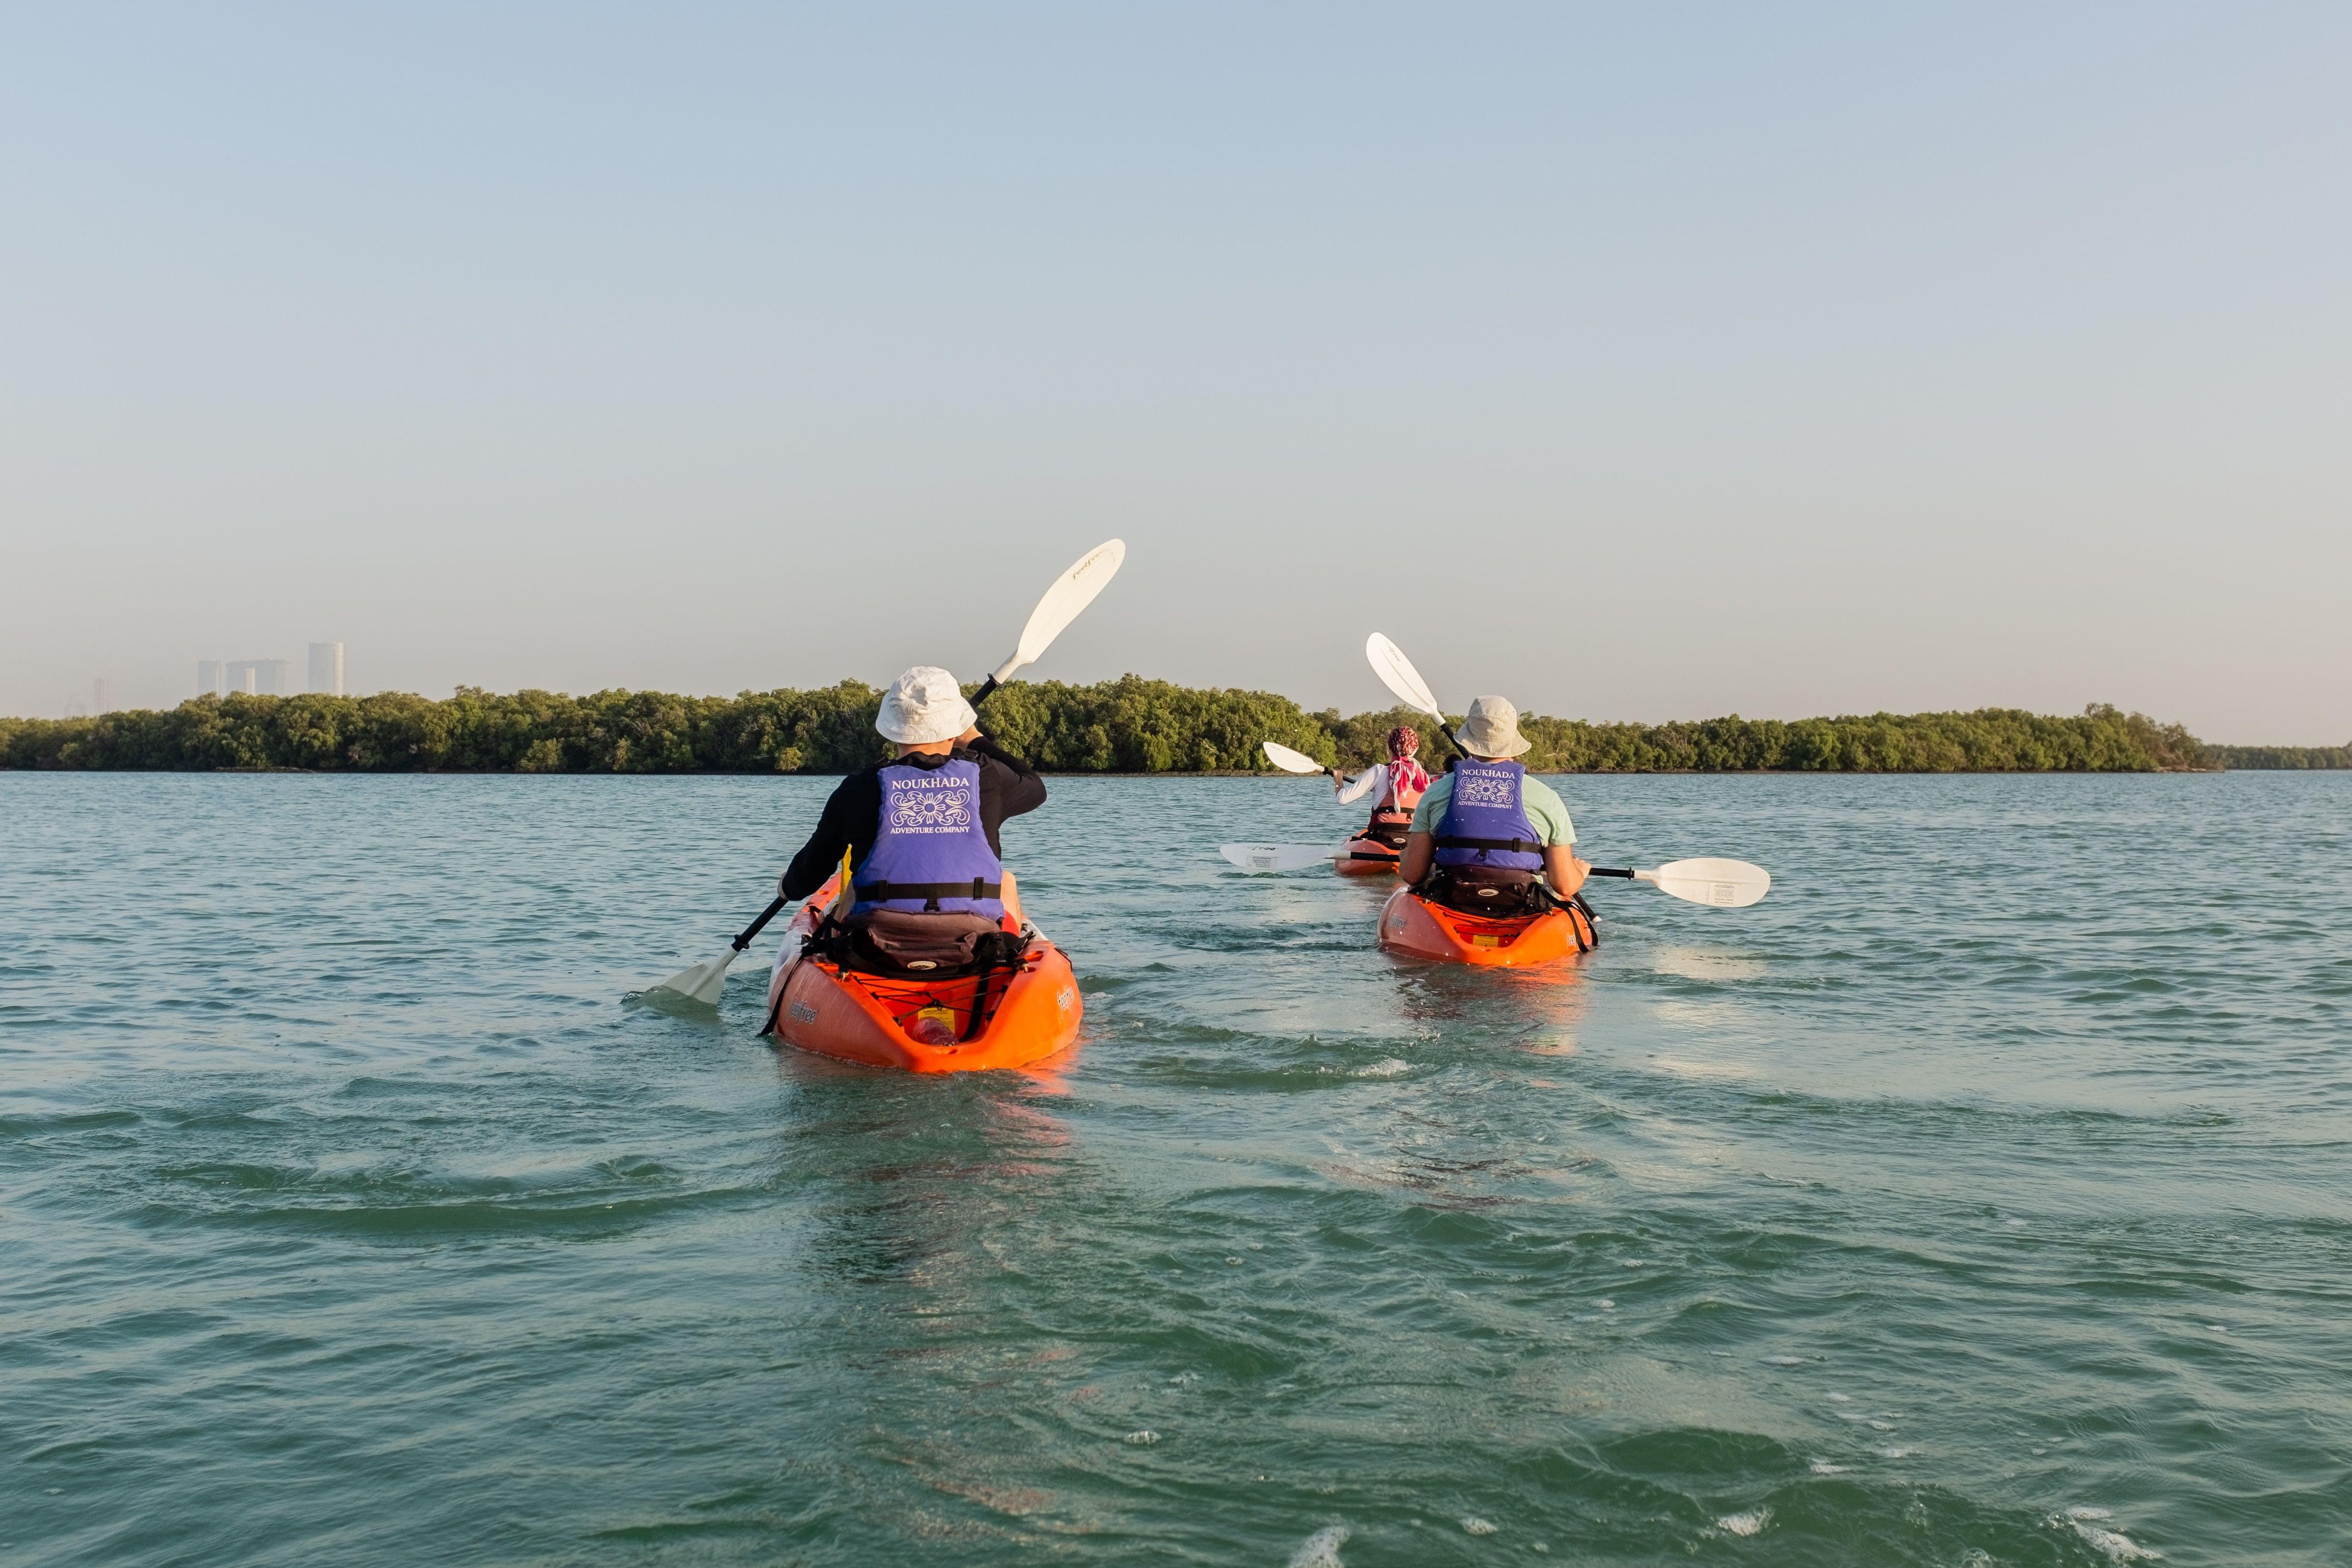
(1280, 856)
(1722, 884)
(1290, 761)
(1071, 592)
(1397, 673)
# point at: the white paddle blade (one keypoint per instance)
(703, 983)
(1072, 592)
(1280, 856)
(1725, 884)
(1397, 673)
(1290, 761)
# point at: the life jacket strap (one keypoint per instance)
(1510, 845)
(930, 893)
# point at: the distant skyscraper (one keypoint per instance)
(272, 676)
(327, 668)
(101, 696)
(208, 677)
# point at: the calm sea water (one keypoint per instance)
(1983, 1198)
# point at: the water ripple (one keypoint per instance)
(1979, 1198)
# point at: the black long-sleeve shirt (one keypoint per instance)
(1008, 787)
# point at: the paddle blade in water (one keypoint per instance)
(1397, 673)
(703, 983)
(1725, 884)
(1072, 592)
(1280, 856)
(1291, 761)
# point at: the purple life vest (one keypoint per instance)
(930, 852)
(1486, 822)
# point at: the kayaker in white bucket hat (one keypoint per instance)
(1486, 835)
(926, 867)
(924, 707)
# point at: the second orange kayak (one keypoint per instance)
(1364, 856)
(1414, 926)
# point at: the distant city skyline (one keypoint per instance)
(272, 675)
(1634, 363)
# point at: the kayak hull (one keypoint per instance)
(1365, 857)
(1414, 927)
(1029, 1012)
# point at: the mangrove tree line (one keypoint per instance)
(1128, 725)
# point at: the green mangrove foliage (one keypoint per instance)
(1128, 725)
(2293, 758)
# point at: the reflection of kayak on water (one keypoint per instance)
(1027, 1009)
(1412, 926)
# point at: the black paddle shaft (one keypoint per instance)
(770, 913)
(1624, 871)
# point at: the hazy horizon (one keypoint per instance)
(1635, 366)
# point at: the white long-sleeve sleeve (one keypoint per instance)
(1374, 782)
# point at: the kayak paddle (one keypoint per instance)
(1723, 884)
(1290, 761)
(1397, 673)
(1071, 592)
(1280, 856)
(705, 981)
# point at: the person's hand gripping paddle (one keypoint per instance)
(1721, 884)
(1071, 592)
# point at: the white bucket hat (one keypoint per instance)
(922, 706)
(1492, 728)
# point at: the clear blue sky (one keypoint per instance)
(1636, 363)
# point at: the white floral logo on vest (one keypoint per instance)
(931, 805)
(1483, 789)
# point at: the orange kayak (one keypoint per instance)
(1364, 856)
(1027, 1012)
(1414, 926)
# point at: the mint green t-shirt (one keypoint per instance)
(1542, 802)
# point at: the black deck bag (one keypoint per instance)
(930, 946)
(1499, 892)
